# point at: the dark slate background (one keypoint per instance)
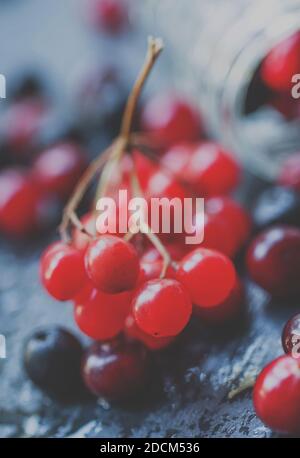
(199, 372)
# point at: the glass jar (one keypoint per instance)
(218, 46)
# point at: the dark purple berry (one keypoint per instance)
(52, 359)
(276, 205)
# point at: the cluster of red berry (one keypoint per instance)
(35, 180)
(42, 161)
(122, 286)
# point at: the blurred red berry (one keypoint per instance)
(177, 157)
(171, 119)
(19, 203)
(290, 172)
(58, 168)
(22, 124)
(212, 171)
(226, 210)
(110, 15)
(282, 62)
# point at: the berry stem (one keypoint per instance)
(155, 46)
(112, 155)
(69, 213)
(110, 167)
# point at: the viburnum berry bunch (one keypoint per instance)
(144, 285)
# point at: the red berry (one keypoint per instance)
(145, 168)
(211, 170)
(132, 331)
(273, 260)
(162, 308)
(112, 264)
(22, 124)
(177, 157)
(227, 225)
(116, 370)
(161, 184)
(166, 188)
(226, 310)
(218, 235)
(291, 336)
(234, 215)
(282, 62)
(62, 271)
(19, 203)
(101, 316)
(277, 395)
(207, 275)
(171, 119)
(290, 172)
(110, 15)
(58, 168)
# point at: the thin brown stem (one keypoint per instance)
(109, 168)
(114, 153)
(155, 46)
(69, 212)
(123, 141)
